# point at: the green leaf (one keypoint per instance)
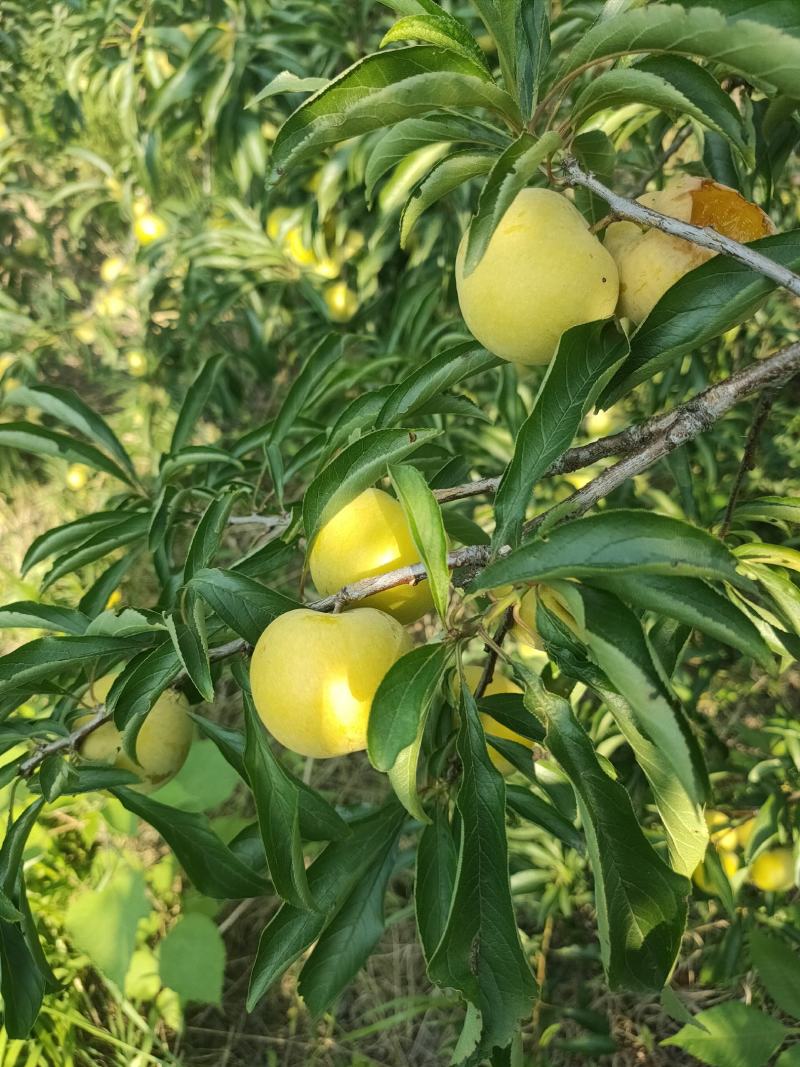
(480, 952)
(210, 864)
(136, 689)
(424, 517)
(8, 912)
(195, 456)
(286, 82)
(350, 936)
(48, 656)
(441, 179)
(437, 862)
(192, 959)
(103, 922)
(442, 30)
(402, 776)
(762, 54)
(778, 968)
(700, 306)
(277, 806)
(191, 647)
(734, 1035)
(331, 878)
(542, 813)
(669, 83)
(355, 469)
(28, 437)
(194, 402)
(511, 173)
(207, 536)
(586, 358)
(691, 601)
(771, 509)
(94, 600)
(381, 90)
(205, 782)
(28, 614)
(13, 846)
(67, 407)
(402, 701)
(131, 527)
(790, 1057)
(308, 382)
(69, 535)
(434, 377)
(242, 603)
(533, 50)
(501, 19)
(615, 541)
(56, 776)
(782, 14)
(21, 982)
(619, 646)
(641, 903)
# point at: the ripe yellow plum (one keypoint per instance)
(722, 834)
(730, 865)
(314, 676)
(542, 272)
(149, 227)
(341, 301)
(774, 871)
(368, 537)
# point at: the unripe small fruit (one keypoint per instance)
(722, 834)
(148, 228)
(296, 248)
(542, 272)
(137, 362)
(651, 261)
(368, 537)
(498, 684)
(162, 745)
(774, 871)
(77, 476)
(341, 301)
(744, 831)
(314, 675)
(112, 268)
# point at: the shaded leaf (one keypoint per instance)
(733, 1035)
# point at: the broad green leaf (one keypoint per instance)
(408, 136)
(208, 533)
(501, 19)
(700, 306)
(67, 407)
(693, 602)
(47, 656)
(402, 776)
(437, 861)
(445, 176)
(350, 936)
(21, 982)
(782, 14)
(29, 437)
(211, 866)
(771, 509)
(331, 878)
(61, 538)
(56, 776)
(641, 903)
(669, 83)
(586, 358)
(315, 370)
(191, 647)
(194, 402)
(778, 969)
(616, 640)
(424, 517)
(542, 813)
(8, 912)
(441, 30)
(733, 1035)
(759, 52)
(511, 173)
(402, 700)
(28, 614)
(94, 600)
(242, 603)
(434, 377)
(132, 527)
(103, 922)
(381, 90)
(354, 470)
(509, 709)
(615, 541)
(192, 959)
(277, 806)
(136, 689)
(480, 953)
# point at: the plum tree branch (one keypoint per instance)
(641, 446)
(703, 236)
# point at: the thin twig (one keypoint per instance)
(760, 416)
(677, 141)
(644, 444)
(493, 651)
(704, 236)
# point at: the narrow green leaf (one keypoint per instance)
(94, 600)
(616, 541)
(314, 373)
(587, 356)
(402, 776)
(445, 176)
(29, 437)
(28, 614)
(132, 527)
(277, 806)
(402, 700)
(424, 518)
(355, 469)
(67, 407)
(511, 173)
(195, 456)
(242, 603)
(381, 90)
(542, 813)
(480, 953)
(194, 402)
(207, 536)
(67, 536)
(8, 912)
(778, 969)
(533, 50)
(138, 686)
(191, 648)
(641, 903)
(21, 982)
(211, 866)
(13, 846)
(47, 656)
(733, 1035)
(437, 862)
(442, 30)
(286, 82)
